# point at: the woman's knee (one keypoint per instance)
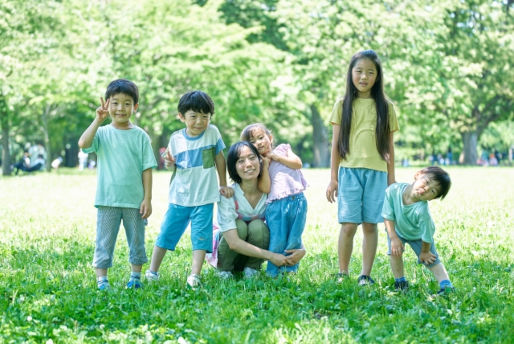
(242, 229)
(258, 233)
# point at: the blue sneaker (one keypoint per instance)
(365, 280)
(103, 285)
(134, 283)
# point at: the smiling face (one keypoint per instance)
(247, 164)
(196, 122)
(364, 75)
(261, 140)
(121, 108)
(425, 188)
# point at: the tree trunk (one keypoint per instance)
(45, 114)
(321, 153)
(4, 123)
(470, 141)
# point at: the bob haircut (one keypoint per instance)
(233, 156)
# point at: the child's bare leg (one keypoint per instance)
(397, 266)
(136, 268)
(157, 256)
(101, 272)
(439, 272)
(369, 247)
(345, 245)
(198, 258)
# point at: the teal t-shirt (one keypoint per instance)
(122, 156)
(411, 222)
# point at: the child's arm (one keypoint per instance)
(425, 256)
(169, 161)
(146, 206)
(391, 179)
(221, 167)
(291, 160)
(396, 244)
(86, 139)
(264, 183)
(295, 256)
(334, 165)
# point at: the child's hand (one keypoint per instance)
(332, 191)
(295, 256)
(145, 209)
(226, 191)
(103, 110)
(169, 162)
(396, 247)
(265, 162)
(278, 259)
(426, 257)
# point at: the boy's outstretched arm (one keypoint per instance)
(396, 244)
(146, 206)
(221, 167)
(86, 139)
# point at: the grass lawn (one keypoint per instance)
(48, 290)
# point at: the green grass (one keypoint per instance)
(48, 294)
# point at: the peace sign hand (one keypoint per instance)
(103, 111)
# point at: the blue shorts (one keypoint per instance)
(176, 220)
(416, 247)
(360, 195)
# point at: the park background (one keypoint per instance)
(447, 68)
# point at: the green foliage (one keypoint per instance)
(49, 293)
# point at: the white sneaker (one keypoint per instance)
(193, 281)
(225, 274)
(249, 272)
(152, 276)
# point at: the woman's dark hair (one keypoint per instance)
(197, 101)
(123, 86)
(440, 176)
(382, 129)
(233, 155)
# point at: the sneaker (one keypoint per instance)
(225, 274)
(152, 276)
(365, 280)
(446, 290)
(401, 286)
(134, 283)
(103, 285)
(341, 276)
(249, 272)
(193, 281)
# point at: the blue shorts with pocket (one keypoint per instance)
(176, 220)
(360, 195)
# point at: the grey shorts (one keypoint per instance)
(416, 247)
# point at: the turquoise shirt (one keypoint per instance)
(411, 222)
(122, 156)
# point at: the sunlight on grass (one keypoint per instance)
(48, 289)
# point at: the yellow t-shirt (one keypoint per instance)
(363, 148)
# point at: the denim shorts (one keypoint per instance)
(416, 247)
(176, 220)
(360, 195)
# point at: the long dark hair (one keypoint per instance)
(382, 129)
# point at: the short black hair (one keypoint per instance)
(232, 156)
(123, 86)
(441, 177)
(197, 101)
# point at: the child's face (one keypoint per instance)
(424, 188)
(247, 165)
(121, 107)
(364, 75)
(196, 122)
(261, 141)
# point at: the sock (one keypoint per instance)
(135, 275)
(401, 279)
(101, 280)
(445, 284)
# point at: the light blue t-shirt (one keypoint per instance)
(122, 156)
(195, 182)
(411, 222)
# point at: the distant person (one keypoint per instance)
(362, 159)
(196, 155)
(56, 163)
(407, 220)
(286, 212)
(244, 235)
(27, 165)
(124, 186)
(82, 156)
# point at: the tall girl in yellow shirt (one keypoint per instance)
(362, 165)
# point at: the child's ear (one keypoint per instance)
(181, 117)
(135, 107)
(417, 175)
